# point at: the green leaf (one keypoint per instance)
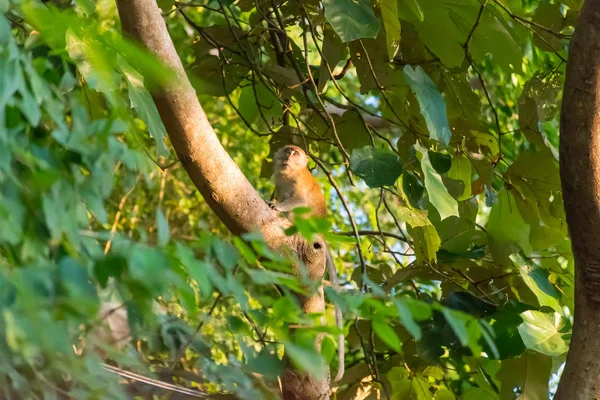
(444, 394)
(456, 234)
(165, 5)
(441, 162)
(307, 359)
(334, 50)
(162, 227)
(142, 101)
(438, 193)
(109, 266)
(407, 319)
(529, 374)
(391, 25)
(408, 386)
(376, 167)
(426, 243)
(498, 39)
(458, 322)
(541, 332)
(259, 106)
(12, 214)
(267, 364)
(549, 16)
(413, 7)
(74, 277)
(196, 269)
(536, 279)
(476, 393)
(433, 106)
(352, 20)
(436, 24)
(461, 171)
(226, 253)
(384, 331)
(506, 229)
(352, 131)
(93, 61)
(87, 6)
(148, 265)
(413, 189)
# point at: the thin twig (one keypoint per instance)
(113, 229)
(363, 232)
(481, 81)
(532, 23)
(348, 212)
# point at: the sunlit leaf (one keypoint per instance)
(145, 107)
(391, 25)
(384, 331)
(541, 332)
(529, 374)
(433, 106)
(438, 193)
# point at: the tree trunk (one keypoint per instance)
(215, 174)
(580, 176)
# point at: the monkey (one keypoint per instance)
(296, 187)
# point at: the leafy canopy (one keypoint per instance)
(437, 122)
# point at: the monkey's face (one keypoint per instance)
(290, 158)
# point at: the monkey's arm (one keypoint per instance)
(289, 205)
(338, 315)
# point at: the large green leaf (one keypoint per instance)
(306, 358)
(352, 131)
(495, 38)
(352, 20)
(391, 25)
(259, 106)
(334, 50)
(536, 279)
(377, 167)
(529, 374)
(461, 171)
(541, 332)
(507, 231)
(384, 331)
(407, 386)
(433, 106)
(142, 101)
(438, 193)
(426, 243)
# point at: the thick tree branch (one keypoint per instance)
(580, 176)
(215, 174)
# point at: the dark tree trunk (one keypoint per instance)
(580, 175)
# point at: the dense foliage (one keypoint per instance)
(432, 126)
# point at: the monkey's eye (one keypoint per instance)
(294, 153)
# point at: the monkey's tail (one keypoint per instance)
(340, 323)
(338, 317)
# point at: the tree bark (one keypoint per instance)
(217, 176)
(580, 176)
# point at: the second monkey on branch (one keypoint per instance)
(296, 187)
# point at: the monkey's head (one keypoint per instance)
(289, 158)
